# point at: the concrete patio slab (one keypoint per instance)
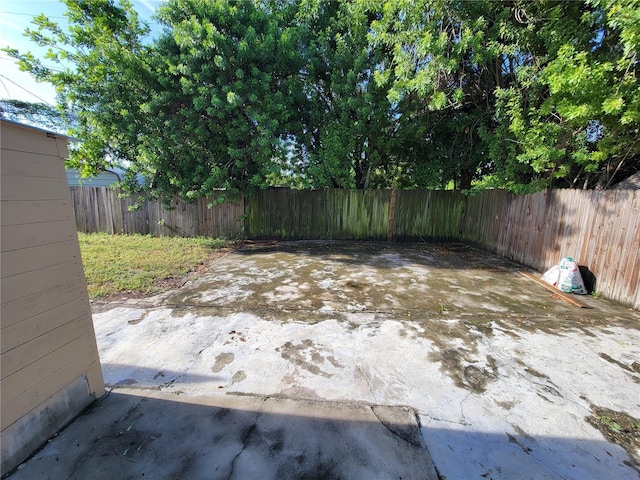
(506, 380)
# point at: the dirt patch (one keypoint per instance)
(619, 428)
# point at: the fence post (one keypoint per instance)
(392, 215)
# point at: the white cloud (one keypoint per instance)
(19, 85)
(148, 4)
(12, 25)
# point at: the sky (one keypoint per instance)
(15, 16)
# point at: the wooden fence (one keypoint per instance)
(599, 229)
(100, 209)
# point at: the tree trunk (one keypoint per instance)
(360, 174)
(466, 175)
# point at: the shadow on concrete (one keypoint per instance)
(152, 435)
(386, 255)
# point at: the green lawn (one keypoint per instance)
(141, 265)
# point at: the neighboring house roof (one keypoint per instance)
(105, 178)
(630, 183)
(48, 132)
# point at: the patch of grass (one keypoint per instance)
(138, 264)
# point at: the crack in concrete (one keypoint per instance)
(246, 437)
(529, 452)
(364, 375)
(245, 441)
(163, 386)
(437, 419)
(398, 434)
(464, 418)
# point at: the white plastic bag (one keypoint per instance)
(566, 277)
(552, 276)
(570, 279)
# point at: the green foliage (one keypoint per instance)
(227, 89)
(99, 72)
(239, 95)
(351, 129)
(573, 113)
(37, 114)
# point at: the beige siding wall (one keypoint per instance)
(48, 357)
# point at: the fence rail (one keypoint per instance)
(600, 229)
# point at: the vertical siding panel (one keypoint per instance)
(600, 246)
(631, 271)
(44, 301)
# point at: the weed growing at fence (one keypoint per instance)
(141, 265)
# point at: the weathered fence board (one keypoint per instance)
(100, 209)
(429, 215)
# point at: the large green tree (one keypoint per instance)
(351, 126)
(202, 109)
(228, 95)
(524, 94)
(238, 95)
(448, 58)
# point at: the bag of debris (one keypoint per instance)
(566, 277)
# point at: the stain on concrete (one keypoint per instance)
(531, 371)
(506, 405)
(222, 361)
(238, 377)
(125, 382)
(469, 376)
(235, 337)
(430, 284)
(632, 369)
(308, 357)
(520, 444)
(300, 392)
(447, 304)
(453, 296)
(524, 434)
